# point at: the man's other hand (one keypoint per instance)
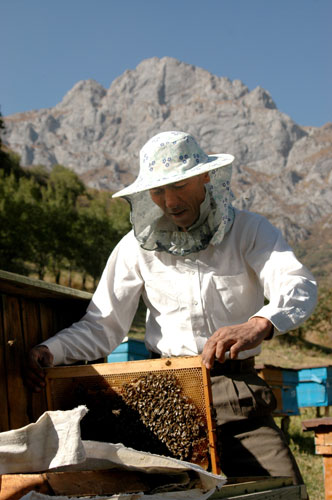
(234, 339)
(39, 357)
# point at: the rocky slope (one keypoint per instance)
(282, 170)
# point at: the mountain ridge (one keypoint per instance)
(281, 169)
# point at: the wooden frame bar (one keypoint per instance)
(180, 366)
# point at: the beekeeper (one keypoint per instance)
(216, 281)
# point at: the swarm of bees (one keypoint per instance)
(150, 413)
(169, 414)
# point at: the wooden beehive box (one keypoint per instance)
(283, 383)
(107, 482)
(30, 311)
(62, 384)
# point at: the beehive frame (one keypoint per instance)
(189, 371)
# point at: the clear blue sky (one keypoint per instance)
(282, 45)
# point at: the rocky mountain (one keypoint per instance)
(281, 169)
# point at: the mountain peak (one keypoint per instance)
(84, 92)
(278, 163)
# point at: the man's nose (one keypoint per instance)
(171, 198)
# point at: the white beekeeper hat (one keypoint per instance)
(172, 157)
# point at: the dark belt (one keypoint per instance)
(232, 366)
(154, 355)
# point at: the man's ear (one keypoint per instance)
(206, 177)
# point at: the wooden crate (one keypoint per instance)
(322, 428)
(83, 483)
(190, 374)
(107, 482)
(30, 312)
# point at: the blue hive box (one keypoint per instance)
(315, 386)
(290, 404)
(283, 383)
(129, 350)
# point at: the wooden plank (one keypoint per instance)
(285, 493)
(260, 488)
(215, 465)
(14, 486)
(12, 283)
(242, 485)
(98, 482)
(260, 482)
(31, 326)
(322, 449)
(47, 320)
(132, 367)
(4, 412)
(323, 438)
(30, 323)
(315, 424)
(47, 329)
(327, 461)
(57, 313)
(14, 352)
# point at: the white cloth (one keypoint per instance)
(53, 441)
(189, 298)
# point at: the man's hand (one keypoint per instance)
(234, 339)
(39, 358)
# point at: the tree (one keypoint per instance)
(119, 213)
(96, 234)
(59, 202)
(40, 237)
(64, 187)
(14, 237)
(49, 221)
(9, 161)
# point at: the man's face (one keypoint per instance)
(181, 201)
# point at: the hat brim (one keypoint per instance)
(139, 185)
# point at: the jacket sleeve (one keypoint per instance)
(289, 287)
(109, 314)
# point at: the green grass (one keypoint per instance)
(302, 445)
(291, 351)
